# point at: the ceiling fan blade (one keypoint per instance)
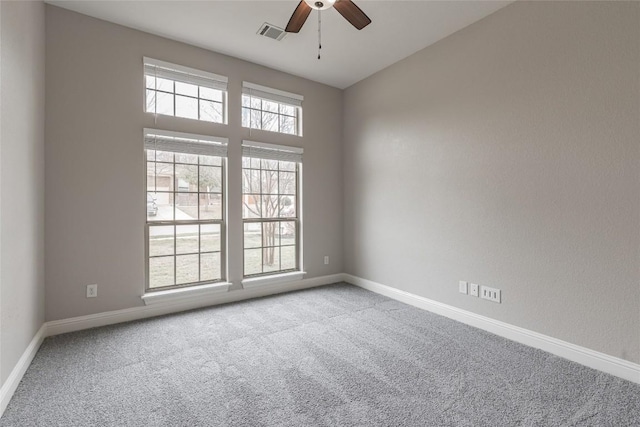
(298, 18)
(352, 13)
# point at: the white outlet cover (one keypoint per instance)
(463, 287)
(474, 289)
(92, 291)
(490, 294)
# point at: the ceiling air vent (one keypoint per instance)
(271, 31)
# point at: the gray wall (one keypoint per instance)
(95, 167)
(508, 155)
(21, 178)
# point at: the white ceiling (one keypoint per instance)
(399, 29)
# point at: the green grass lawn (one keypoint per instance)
(164, 261)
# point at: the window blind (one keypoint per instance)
(178, 73)
(185, 143)
(271, 151)
(263, 92)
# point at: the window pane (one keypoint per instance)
(270, 207)
(151, 101)
(152, 206)
(159, 206)
(287, 233)
(287, 183)
(187, 269)
(210, 238)
(187, 158)
(210, 267)
(161, 175)
(256, 103)
(251, 206)
(289, 110)
(270, 106)
(251, 181)
(270, 234)
(161, 272)
(186, 178)
(270, 122)
(164, 85)
(271, 258)
(161, 240)
(211, 111)
(210, 94)
(187, 241)
(252, 235)
(288, 125)
(164, 103)
(246, 114)
(211, 160)
(246, 102)
(210, 179)
(269, 181)
(210, 206)
(186, 207)
(256, 120)
(151, 176)
(165, 156)
(186, 107)
(288, 257)
(187, 89)
(150, 82)
(252, 261)
(287, 207)
(287, 166)
(269, 164)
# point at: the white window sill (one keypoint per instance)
(184, 294)
(255, 282)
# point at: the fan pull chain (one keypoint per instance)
(319, 32)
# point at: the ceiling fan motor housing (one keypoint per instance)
(320, 5)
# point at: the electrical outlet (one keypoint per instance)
(326, 260)
(473, 289)
(92, 291)
(491, 294)
(463, 287)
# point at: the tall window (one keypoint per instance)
(271, 208)
(185, 228)
(271, 109)
(174, 90)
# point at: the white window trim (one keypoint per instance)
(275, 278)
(185, 294)
(254, 282)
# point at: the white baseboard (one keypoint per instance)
(118, 316)
(593, 359)
(63, 326)
(11, 384)
(590, 358)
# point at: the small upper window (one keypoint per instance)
(174, 90)
(271, 109)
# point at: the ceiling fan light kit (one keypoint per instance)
(320, 5)
(346, 8)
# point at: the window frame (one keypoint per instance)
(280, 97)
(180, 74)
(261, 220)
(222, 222)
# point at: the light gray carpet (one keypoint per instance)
(331, 356)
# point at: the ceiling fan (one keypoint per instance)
(346, 8)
